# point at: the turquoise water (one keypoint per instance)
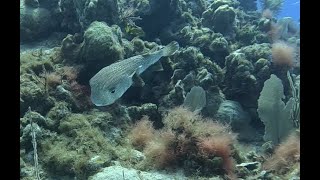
(291, 8)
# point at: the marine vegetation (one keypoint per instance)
(158, 89)
(200, 146)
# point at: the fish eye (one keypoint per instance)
(112, 90)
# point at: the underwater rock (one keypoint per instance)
(149, 109)
(96, 163)
(196, 6)
(193, 7)
(191, 58)
(214, 98)
(35, 117)
(188, 82)
(35, 23)
(191, 68)
(62, 94)
(265, 24)
(26, 138)
(118, 172)
(267, 175)
(267, 147)
(205, 79)
(248, 5)
(73, 122)
(246, 71)
(70, 20)
(218, 44)
(249, 165)
(174, 98)
(246, 35)
(49, 4)
(257, 51)
(178, 74)
(80, 130)
(231, 112)
(25, 169)
(34, 96)
(240, 84)
(262, 69)
(88, 11)
(137, 155)
(31, 3)
(76, 99)
(114, 134)
(177, 94)
(187, 59)
(70, 47)
(134, 156)
(138, 45)
(36, 62)
(217, 3)
(102, 44)
(37, 121)
(153, 20)
(211, 44)
(221, 19)
(72, 153)
(103, 120)
(59, 111)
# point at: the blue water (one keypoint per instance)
(291, 8)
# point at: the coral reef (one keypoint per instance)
(249, 5)
(246, 70)
(221, 19)
(181, 122)
(37, 19)
(102, 42)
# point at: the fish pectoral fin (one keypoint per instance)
(156, 67)
(137, 80)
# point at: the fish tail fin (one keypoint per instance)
(170, 49)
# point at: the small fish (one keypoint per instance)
(111, 82)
